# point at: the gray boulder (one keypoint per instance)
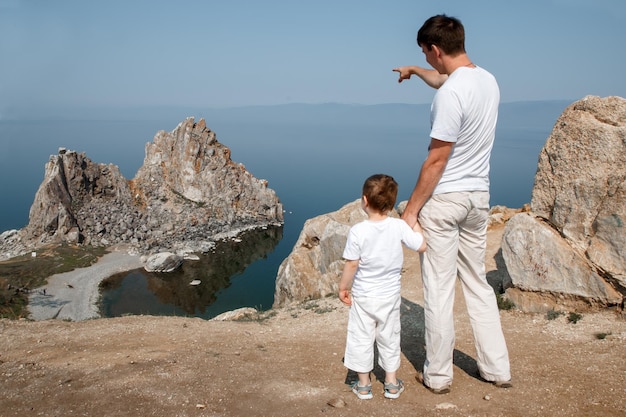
(163, 262)
(540, 261)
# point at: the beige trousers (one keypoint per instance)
(455, 225)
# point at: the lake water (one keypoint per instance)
(315, 157)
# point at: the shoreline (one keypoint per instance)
(74, 295)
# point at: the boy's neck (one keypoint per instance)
(376, 216)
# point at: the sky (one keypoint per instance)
(229, 53)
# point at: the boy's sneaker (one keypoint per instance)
(393, 391)
(364, 393)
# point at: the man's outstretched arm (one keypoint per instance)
(430, 76)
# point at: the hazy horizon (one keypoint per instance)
(255, 134)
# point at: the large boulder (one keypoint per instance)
(312, 269)
(572, 245)
(163, 262)
(540, 261)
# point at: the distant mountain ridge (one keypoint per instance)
(367, 113)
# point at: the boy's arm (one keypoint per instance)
(349, 269)
(417, 228)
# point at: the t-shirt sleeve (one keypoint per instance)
(446, 116)
(412, 240)
(352, 250)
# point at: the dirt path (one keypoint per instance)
(289, 364)
(74, 295)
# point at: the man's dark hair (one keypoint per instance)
(381, 191)
(444, 31)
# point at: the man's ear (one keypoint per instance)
(438, 52)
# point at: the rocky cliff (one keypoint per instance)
(570, 250)
(187, 193)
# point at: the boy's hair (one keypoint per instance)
(381, 191)
(444, 31)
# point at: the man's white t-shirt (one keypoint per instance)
(465, 111)
(378, 247)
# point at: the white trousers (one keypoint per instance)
(455, 225)
(373, 320)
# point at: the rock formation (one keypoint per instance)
(314, 267)
(570, 250)
(187, 194)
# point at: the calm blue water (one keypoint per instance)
(314, 156)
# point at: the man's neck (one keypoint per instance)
(451, 64)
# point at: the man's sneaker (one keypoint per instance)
(443, 390)
(502, 384)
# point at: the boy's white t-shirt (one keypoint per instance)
(465, 111)
(378, 247)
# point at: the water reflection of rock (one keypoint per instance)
(213, 270)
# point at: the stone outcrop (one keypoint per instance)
(78, 199)
(570, 250)
(314, 267)
(187, 193)
(188, 177)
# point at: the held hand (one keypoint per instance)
(410, 219)
(405, 73)
(344, 296)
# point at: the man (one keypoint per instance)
(451, 201)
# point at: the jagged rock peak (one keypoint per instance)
(73, 186)
(189, 165)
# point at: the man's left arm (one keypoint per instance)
(429, 177)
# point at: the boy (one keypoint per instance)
(374, 260)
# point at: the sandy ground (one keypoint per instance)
(74, 295)
(290, 364)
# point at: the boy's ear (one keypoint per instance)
(364, 200)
